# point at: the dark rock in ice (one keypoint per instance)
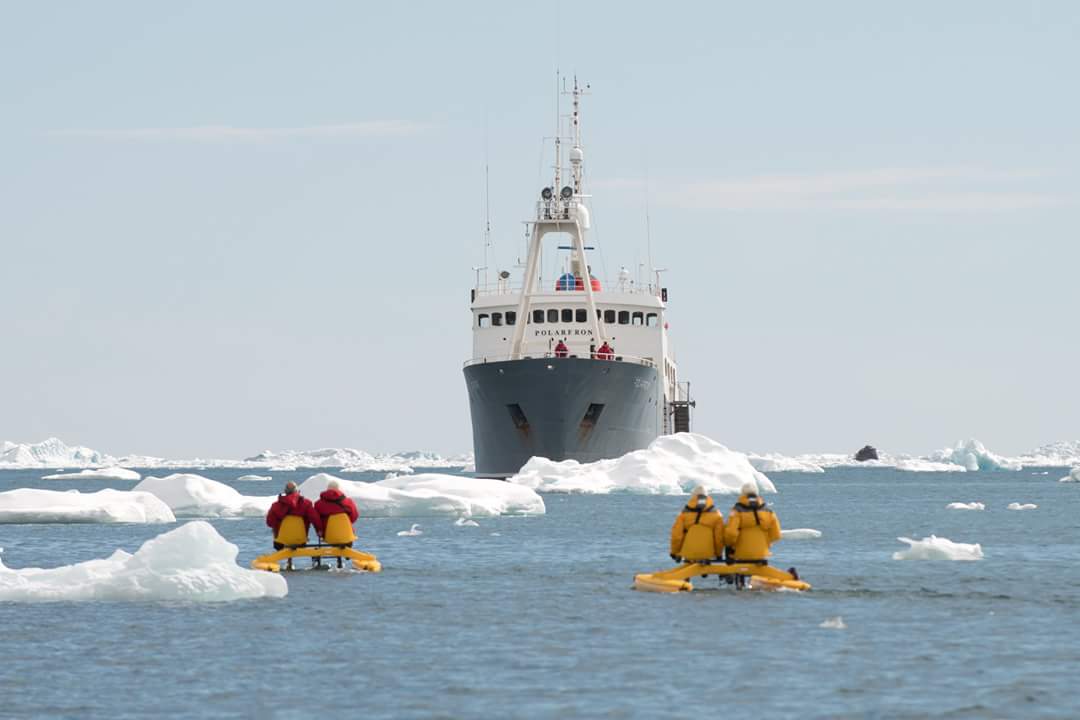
(869, 452)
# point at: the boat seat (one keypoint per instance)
(339, 530)
(699, 544)
(292, 532)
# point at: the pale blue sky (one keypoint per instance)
(235, 226)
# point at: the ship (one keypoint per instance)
(564, 367)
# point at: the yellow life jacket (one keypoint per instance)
(339, 530)
(292, 531)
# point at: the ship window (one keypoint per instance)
(496, 319)
(567, 315)
(511, 317)
(624, 317)
(639, 319)
(538, 316)
(581, 315)
(483, 321)
(652, 319)
(553, 315)
(609, 317)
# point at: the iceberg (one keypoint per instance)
(191, 495)
(1059, 454)
(671, 465)
(800, 534)
(30, 505)
(51, 453)
(1073, 476)
(775, 462)
(428, 494)
(190, 563)
(105, 473)
(1022, 506)
(965, 506)
(972, 455)
(935, 548)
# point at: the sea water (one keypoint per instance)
(534, 616)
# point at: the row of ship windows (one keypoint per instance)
(568, 315)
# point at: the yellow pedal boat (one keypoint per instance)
(292, 536)
(760, 577)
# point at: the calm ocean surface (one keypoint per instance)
(534, 617)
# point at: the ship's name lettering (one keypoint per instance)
(562, 333)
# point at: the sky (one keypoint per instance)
(228, 227)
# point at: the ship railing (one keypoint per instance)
(647, 362)
(507, 289)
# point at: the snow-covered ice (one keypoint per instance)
(1073, 476)
(671, 465)
(51, 453)
(1058, 454)
(1022, 506)
(775, 462)
(30, 505)
(195, 496)
(972, 455)
(105, 473)
(192, 562)
(937, 548)
(254, 478)
(800, 534)
(833, 623)
(965, 506)
(411, 532)
(429, 494)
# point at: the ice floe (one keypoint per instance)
(254, 478)
(466, 522)
(191, 563)
(30, 505)
(428, 494)
(1073, 476)
(800, 534)
(411, 532)
(833, 623)
(671, 465)
(775, 462)
(105, 473)
(196, 496)
(965, 506)
(1022, 506)
(972, 455)
(937, 548)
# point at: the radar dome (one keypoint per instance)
(576, 155)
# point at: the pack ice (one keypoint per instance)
(190, 495)
(105, 473)
(937, 548)
(432, 494)
(671, 465)
(192, 562)
(29, 505)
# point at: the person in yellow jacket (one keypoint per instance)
(698, 532)
(751, 528)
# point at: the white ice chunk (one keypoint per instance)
(254, 478)
(972, 455)
(775, 462)
(1073, 476)
(965, 506)
(671, 465)
(833, 623)
(195, 496)
(429, 494)
(935, 548)
(1022, 506)
(29, 505)
(411, 532)
(106, 473)
(191, 563)
(51, 453)
(800, 534)
(466, 522)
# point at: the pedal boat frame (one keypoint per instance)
(362, 561)
(762, 577)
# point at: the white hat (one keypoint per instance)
(698, 490)
(333, 485)
(749, 488)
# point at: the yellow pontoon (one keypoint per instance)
(338, 540)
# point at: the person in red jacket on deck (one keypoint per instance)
(561, 350)
(291, 502)
(332, 501)
(606, 352)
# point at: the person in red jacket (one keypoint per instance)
(561, 350)
(291, 502)
(332, 501)
(606, 352)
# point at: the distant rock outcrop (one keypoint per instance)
(868, 452)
